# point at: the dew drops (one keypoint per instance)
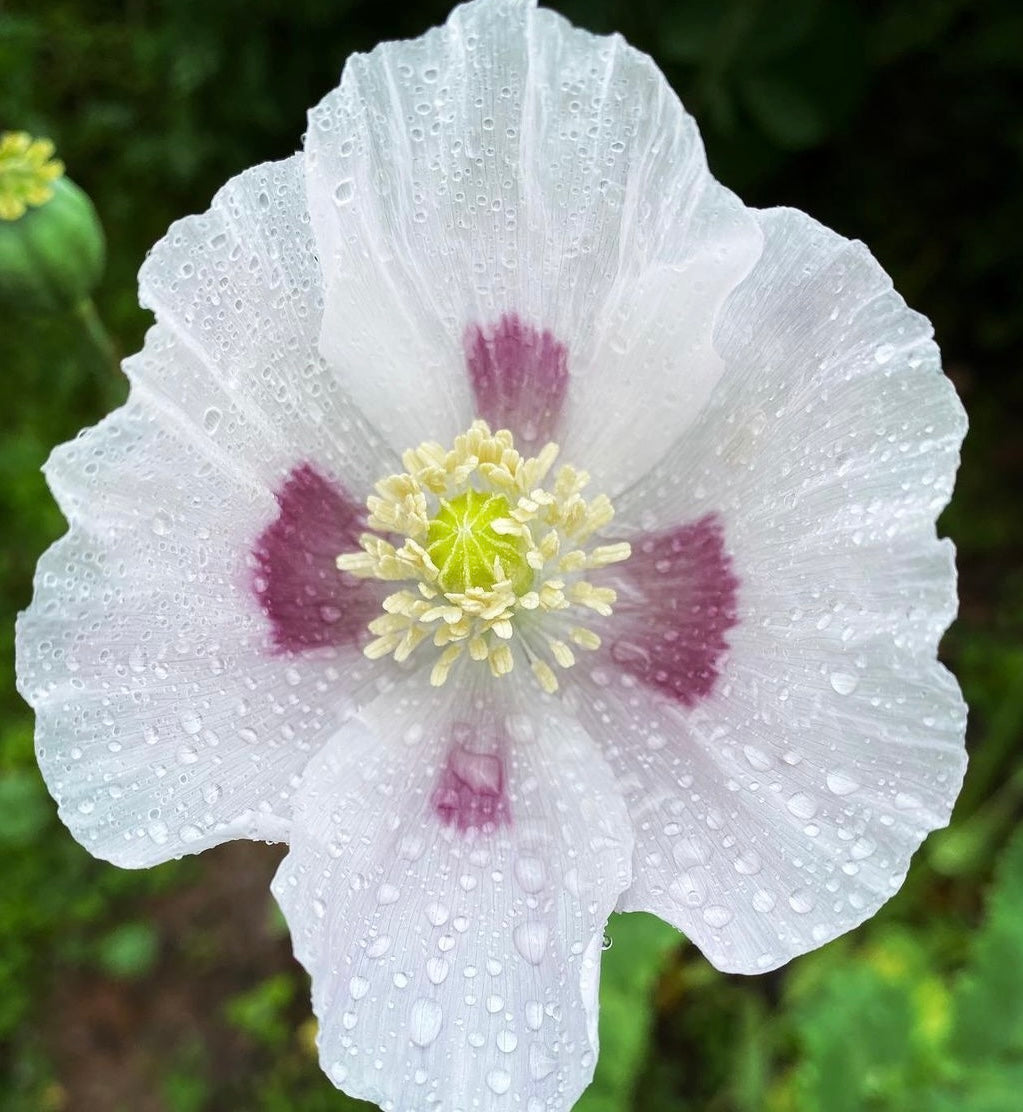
(211, 419)
(861, 849)
(844, 683)
(757, 758)
(801, 901)
(841, 783)
(425, 1020)
(344, 191)
(529, 872)
(358, 987)
(379, 946)
(534, 1015)
(748, 863)
(763, 901)
(437, 913)
(437, 970)
(802, 805)
(717, 916)
(499, 1081)
(530, 940)
(507, 1041)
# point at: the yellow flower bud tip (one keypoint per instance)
(27, 173)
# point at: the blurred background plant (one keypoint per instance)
(173, 990)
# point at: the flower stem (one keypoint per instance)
(86, 314)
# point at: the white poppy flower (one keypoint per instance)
(721, 704)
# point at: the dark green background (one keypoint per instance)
(173, 990)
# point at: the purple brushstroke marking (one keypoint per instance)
(676, 601)
(470, 793)
(309, 602)
(519, 377)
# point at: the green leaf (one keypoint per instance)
(629, 971)
(261, 1012)
(25, 808)
(989, 996)
(129, 951)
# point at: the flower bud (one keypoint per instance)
(51, 240)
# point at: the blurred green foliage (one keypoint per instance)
(896, 122)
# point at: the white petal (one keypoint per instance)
(238, 290)
(783, 811)
(832, 417)
(784, 808)
(508, 164)
(456, 968)
(166, 721)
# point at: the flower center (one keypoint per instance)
(493, 559)
(27, 172)
(469, 552)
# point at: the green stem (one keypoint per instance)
(99, 337)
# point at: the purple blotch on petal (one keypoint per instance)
(519, 377)
(676, 602)
(470, 793)
(310, 603)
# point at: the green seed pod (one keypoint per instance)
(51, 240)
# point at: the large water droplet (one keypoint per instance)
(529, 872)
(841, 783)
(845, 683)
(437, 970)
(530, 940)
(801, 901)
(717, 916)
(802, 805)
(499, 1081)
(425, 1020)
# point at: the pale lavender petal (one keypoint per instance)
(166, 721)
(455, 965)
(783, 808)
(510, 165)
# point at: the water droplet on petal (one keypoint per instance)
(717, 916)
(530, 940)
(802, 805)
(499, 1081)
(841, 783)
(425, 1021)
(844, 682)
(344, 191)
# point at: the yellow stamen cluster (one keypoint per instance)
(27, 173)
(549, 528)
